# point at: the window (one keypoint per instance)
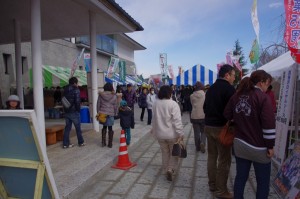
(24, 64)
(6, 58)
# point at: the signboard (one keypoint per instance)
(284, 113)
(25, 171)
(287, 181)
(163, 64)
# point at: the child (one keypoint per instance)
(126, 119)
(13, 102)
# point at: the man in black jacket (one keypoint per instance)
(219, 157)
(72, 114)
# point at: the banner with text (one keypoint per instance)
(113, 63)
(284, 112)
(122, 71)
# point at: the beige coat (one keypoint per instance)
(197, 101)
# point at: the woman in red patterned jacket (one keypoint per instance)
(251, 110)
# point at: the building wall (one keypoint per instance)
(55, 53)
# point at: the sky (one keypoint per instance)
(199, 31)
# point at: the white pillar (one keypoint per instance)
(37, 66)
(94, 69)
(18, 58)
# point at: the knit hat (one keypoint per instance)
(123, 103)
(13, 98)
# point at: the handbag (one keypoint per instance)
(179, 149)
(101, 117)
(226, 135)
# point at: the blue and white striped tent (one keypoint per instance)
(194, 74)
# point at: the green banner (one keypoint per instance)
(122, 71)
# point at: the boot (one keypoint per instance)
(103, 137)
(110, 138)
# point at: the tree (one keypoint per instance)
(238, 52)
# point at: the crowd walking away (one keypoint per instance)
(107, 108)
(167, 128)
(253, 114)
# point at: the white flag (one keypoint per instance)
(255, 19)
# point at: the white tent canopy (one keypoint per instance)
(276, 66)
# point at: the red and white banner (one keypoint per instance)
(292, 27)
(171, 72)
(219, 66)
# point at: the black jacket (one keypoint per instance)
(143, 100)
(126, 117)
(216, 99)
(72, 93)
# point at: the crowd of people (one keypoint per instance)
(249, 107)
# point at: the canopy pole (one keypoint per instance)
(37, 66)
(94, 69)
(18, 59)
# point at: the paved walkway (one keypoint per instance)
(146, 180)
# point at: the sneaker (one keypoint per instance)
(169, 175)
(70, 146)
(82, 144)
(202, 148)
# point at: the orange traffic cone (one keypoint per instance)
(123, 159)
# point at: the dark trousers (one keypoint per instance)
(149, 116)
(262, 173)
(142, 113)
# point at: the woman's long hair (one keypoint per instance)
(248, 83)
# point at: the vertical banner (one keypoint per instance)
(219, 66)
(229, 58)
(163, 64)
(76, 63)
(284, 113)
(113, 63)
(122, 71)
(254, 18)
(171, 72)
(254, 53)
(287, 181)
(87, 61)
(292, 27)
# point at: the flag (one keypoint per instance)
(229, 58)
(112, 66)
(219, 66)
(171, 72)
(76, 63)
(122, 71)
(292, 27)
(254, 53)
(254, 18)
(87, 61)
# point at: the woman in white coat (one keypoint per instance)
(167, 128)
(197, 116)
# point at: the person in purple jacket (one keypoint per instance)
(129, 96)
(251, 110)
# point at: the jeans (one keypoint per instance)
(75, 119)
(262, 173)
(149, 116)
(168, 161)
(199, 135)
(127, 135)
(218, 160)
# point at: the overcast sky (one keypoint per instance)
(198, 31)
